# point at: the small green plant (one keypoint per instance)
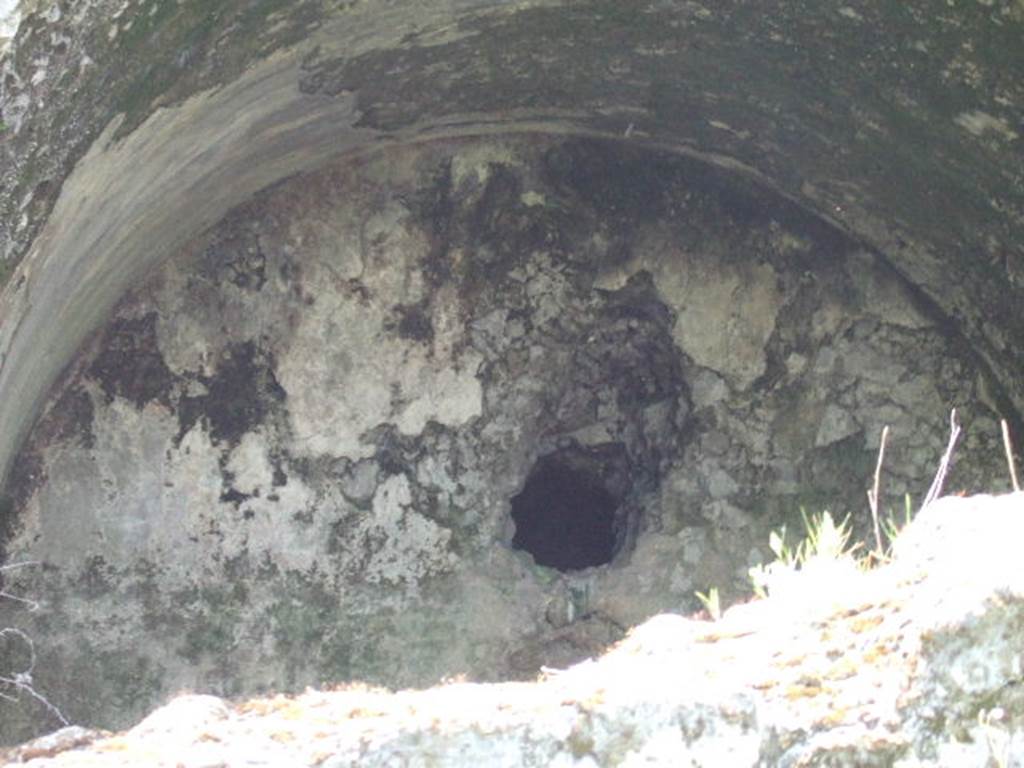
(824, 538)
(891, 527)
(824, 541)
(711, 602)
(826, 544)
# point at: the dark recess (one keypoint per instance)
(565, 517)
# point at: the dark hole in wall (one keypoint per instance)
(566, 517)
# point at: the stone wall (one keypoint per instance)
(308, 306)
(295, 453)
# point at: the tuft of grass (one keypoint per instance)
(825, 546)
(824, 541)
(892, 526)
(711, 602)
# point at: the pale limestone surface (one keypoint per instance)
(843, 667)
(344, 372)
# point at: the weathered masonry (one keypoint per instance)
(409, 339)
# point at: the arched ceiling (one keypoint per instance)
(128, 127)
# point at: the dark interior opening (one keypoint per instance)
(565, 517)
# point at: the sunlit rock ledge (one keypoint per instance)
(914, 663)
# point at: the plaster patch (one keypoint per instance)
(336, 241)
(100, 501)
(884, 295)
(345, 374)
(106, 497)
(201, 315)
(250, 466)
(279, 522)
(285, 531)
(180, 333)
(192, 501)
(725, 312)
(404, 546)
(347, 369)
(725, 309)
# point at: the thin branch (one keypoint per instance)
(21, 685)
(940, 476)
(873, 492)
(21, 682)
(12, 566)
(32, 604)
(1009, 455)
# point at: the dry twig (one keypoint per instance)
(1009, 455)
(21, 681)
(873, 492)
(940, 476)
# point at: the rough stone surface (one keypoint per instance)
(290, 457)
(297, 294)
(131, 126)
(916, 663)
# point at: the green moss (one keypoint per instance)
(308, 629)
(99, 683)
(296, 625)
(8, 519)
(618, 13)
(149, 20)
(212, 616)
(300, 612)
(163, 49)
(130, 679)
(336, 654)
(96, 578)
(209, 636)
(176, 34)
(580, 742)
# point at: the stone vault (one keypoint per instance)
(401, 341)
